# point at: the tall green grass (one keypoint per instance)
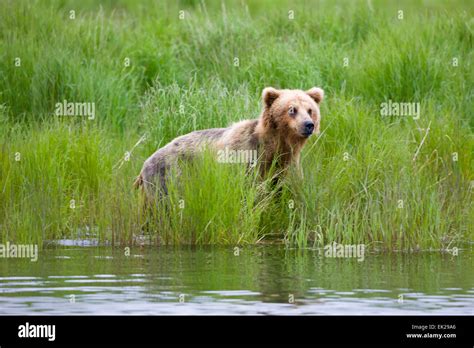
(361, 181)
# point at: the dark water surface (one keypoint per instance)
(261, 280)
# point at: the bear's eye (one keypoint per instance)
(309, 112)
(292, 111)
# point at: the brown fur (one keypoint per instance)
(276, 134)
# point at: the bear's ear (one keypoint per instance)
(316, 93)
(269, 95)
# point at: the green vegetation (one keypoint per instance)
(362, 182)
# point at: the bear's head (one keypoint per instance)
(293, 113)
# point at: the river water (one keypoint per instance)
(252, 280)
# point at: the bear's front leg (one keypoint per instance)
(298, 167)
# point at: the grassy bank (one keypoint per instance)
(391, 182)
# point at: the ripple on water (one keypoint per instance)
(104, 275)
(372, 291)
(18, 278)
(232, 292)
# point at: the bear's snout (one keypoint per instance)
(308, 128)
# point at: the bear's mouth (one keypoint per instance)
(306, 134)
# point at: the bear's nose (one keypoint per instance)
(308, 127)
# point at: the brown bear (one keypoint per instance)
(288, 118)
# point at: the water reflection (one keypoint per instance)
(261, 280)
